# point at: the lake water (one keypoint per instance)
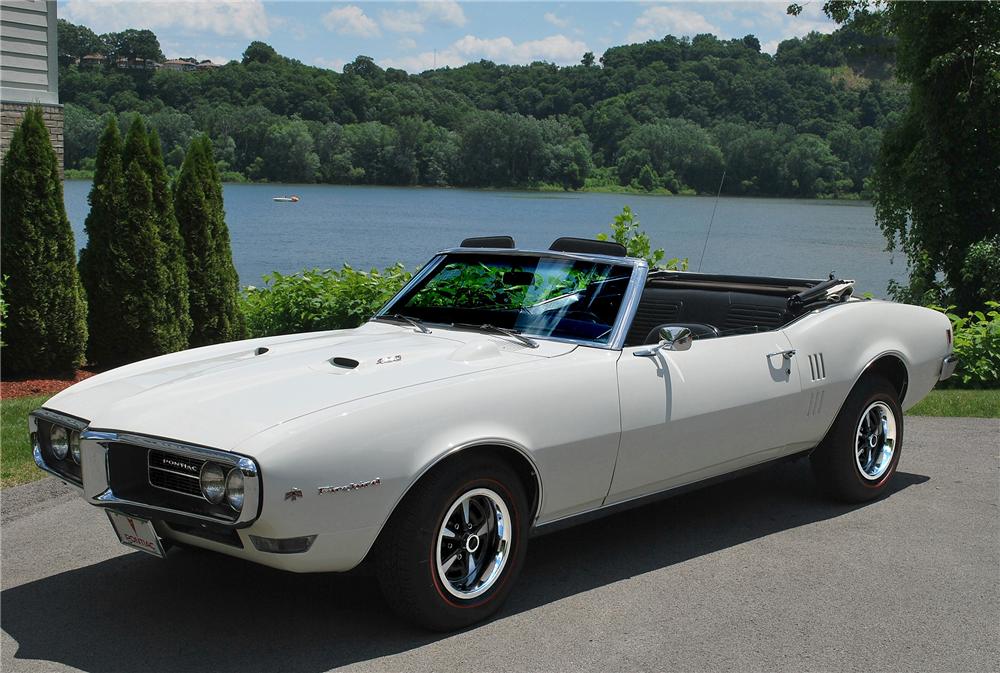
(377, 226)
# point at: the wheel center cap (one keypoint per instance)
(472, 543)
(873, 441)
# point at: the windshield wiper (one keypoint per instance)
(399, 317)
(513, 334)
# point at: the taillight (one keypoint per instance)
(948, 332)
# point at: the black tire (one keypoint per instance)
(407, 553)
(837, 461)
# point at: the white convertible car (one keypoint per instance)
(500, 394)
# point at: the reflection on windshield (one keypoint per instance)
(539, 296)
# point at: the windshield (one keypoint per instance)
(535, 295)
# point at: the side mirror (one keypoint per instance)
(671, 339)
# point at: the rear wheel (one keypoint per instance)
(858, 457)
(454, 547)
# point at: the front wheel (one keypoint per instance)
(453, 549)
(858, 457)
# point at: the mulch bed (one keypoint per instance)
(30, 387)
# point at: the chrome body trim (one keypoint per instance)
(630, 302)
(71, 422)
(948, 367)
(42, 465)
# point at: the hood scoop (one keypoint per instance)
(344, 363)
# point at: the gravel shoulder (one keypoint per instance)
(757, 574)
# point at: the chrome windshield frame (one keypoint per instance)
(630, 302)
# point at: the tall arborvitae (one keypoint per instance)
(147, 318)
(145, 148)
(98, 268)
(214, 285)
(123, 265)
(45, 328)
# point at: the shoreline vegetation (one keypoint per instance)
(668, 116)
(543, 188)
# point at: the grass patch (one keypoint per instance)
(16, 463)
(972, 403)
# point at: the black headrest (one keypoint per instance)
(489, 242)
(588, 246)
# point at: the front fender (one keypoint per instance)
(561, 414)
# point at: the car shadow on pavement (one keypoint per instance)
(206, 612)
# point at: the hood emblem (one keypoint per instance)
(389, 358)
(353, 486)
(293, 494)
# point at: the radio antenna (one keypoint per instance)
(707, 235)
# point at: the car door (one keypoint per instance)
(690, 415)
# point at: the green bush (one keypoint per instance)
(625, 230)
(976, 339)
(316, 299)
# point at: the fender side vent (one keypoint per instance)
(261, 350)
(817, 368)
(815, 402)
(344, 363)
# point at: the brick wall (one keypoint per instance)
(10, 117)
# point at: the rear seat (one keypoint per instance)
(729, 312)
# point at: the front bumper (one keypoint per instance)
(105, 483)
(948, 367)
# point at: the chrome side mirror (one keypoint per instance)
(671, 339)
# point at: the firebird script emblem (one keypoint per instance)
(293, 494)
(349, 487)
(389, 358)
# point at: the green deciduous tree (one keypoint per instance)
(213, 283)
(45, 328)
(935, 183)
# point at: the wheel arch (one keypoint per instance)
(513, 454)
(890, 365)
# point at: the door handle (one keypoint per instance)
(787, 355)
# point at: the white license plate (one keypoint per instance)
(135, 532)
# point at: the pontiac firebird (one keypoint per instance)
(501, 393)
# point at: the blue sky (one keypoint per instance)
(417, 35)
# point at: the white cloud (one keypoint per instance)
(407, 43)
(556, 20)
(415, 18)
(351, 20)
(557, 49)
(330, 63)
(662, 20)
(244, 18)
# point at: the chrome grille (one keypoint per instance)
(173, 472)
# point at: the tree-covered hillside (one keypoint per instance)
(668, 114)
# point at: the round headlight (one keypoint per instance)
(59, 441)
(213, 483)
(74, 446)
(234, 489)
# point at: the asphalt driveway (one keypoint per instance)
(758, 574)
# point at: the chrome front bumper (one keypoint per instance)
(95, 481)
(948, 367)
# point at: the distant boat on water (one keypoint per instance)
(286, 199)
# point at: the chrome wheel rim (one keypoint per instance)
(473, 543)
(875, 441)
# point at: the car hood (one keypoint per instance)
(221, 395)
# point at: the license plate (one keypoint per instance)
(135, 532)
